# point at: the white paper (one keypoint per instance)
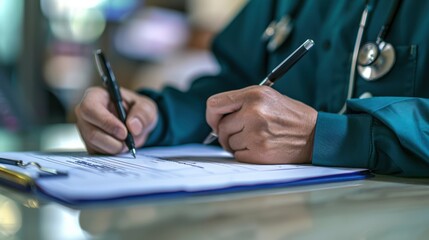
(189, 168)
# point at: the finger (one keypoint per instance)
(222, 104)
(142, 116)
(140, 139)
(238, 141)
(229, 125)
(249, 156)
(98, 141)
(94, 110)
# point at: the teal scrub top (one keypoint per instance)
(388, 133)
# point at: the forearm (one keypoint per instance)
(181, 115)
(386, 135)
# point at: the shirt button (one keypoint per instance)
(365, 95)
(326, 45)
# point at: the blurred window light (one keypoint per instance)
(83, 26)
(112, 9)
(10, 218)
(59, 222)
(80, 21)
(9, 141)
(83, 21)
(213, 15)
(87, 26)
(152, 34)
(11, 12)
(115, 10)
(61, 8)
(61, 137)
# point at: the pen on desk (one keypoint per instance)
(109, 81)
(277, 73)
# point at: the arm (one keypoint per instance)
(389, 135)
(240, 53)
(171, 116)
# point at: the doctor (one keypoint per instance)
(360, 98)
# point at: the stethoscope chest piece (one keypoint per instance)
(375, 60)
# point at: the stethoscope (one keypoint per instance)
(372, 61)
(377, 58)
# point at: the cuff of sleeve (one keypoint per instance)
(343, 140)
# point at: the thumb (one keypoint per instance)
(142, 115)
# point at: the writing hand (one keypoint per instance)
(100, 128)
(260, 125)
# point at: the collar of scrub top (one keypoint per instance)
(278, 31)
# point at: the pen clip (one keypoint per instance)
(103, 67)
(104, 79)
(99, 60)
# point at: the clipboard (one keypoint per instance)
(16, 179)
(157, 173)
(22, 180)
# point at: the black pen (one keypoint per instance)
(112, 86)
(277, 73)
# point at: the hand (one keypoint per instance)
(260, 125)
(101, 129)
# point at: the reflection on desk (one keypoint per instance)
(379, 208)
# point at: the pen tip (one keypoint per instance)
(210, 138)
(133, 152)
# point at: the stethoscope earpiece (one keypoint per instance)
(375, 60)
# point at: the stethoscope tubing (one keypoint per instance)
(358, 42)
(375, 64)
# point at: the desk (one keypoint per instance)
(377, 208)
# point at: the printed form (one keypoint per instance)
(158, 170)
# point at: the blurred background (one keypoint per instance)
(46, 60)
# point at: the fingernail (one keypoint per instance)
(136, 126)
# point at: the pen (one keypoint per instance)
(276, 73)
(109, 81)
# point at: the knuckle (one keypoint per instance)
(83, 108)
(90, 136)
(212, 101)
(221, 126)
(108, 126)
(261, 92)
